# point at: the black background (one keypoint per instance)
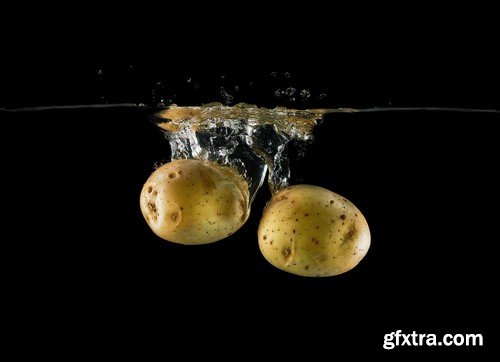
(84, 262)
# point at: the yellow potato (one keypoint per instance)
(311, 231)
(194, 202)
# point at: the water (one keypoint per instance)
(425, 179)
(249, 139)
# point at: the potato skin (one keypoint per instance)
(311, 231)
(194, 202)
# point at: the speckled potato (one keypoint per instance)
(194, 202)
(311, 231)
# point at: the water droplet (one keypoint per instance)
(99, 71)
(236, 88)
(189, 80)
(228, 98)
(305, 94)
(292, 99)
(322, 96)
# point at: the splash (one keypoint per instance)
(249, 139)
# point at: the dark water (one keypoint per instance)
(425, 180)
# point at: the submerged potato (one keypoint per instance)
(311, 231)
(194, 202)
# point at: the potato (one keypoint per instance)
(310, 231)
(194, 202)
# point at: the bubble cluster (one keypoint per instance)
(249, 139)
